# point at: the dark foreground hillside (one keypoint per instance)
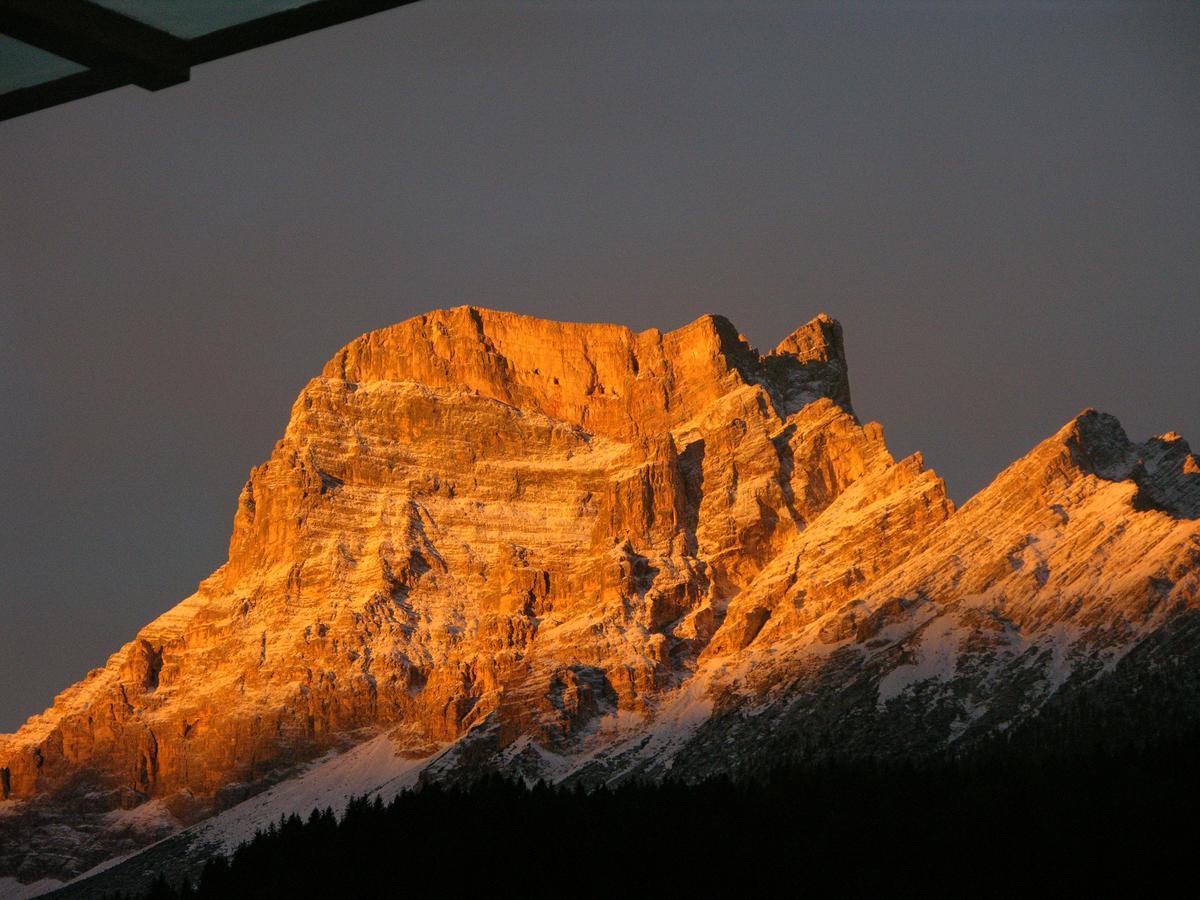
(1092, 822)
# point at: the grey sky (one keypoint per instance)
(1001, 202)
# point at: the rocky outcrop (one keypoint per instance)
(573, 551)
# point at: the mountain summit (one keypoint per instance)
(572, 552)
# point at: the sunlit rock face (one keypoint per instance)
(572, 551)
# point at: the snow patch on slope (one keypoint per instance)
(11, 889)
(690, 709)
(936, 659)
(147, 817)
(373, 768)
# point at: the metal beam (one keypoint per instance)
(113, 45)
(284, 24)
(51, 93)
(120, 51)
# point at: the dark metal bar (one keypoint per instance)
(61, 90)
(100, 39)
(285, 24)
(119, 50)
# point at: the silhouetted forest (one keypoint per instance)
(998, 823)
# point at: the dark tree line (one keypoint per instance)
(997, 823)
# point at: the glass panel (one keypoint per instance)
(192, 18)
(24, 66)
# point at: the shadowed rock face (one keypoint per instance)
(574, 551)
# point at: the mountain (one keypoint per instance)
(571, 552)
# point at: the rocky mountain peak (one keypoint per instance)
(603, 378)
(1163, 468)
(1168, 474)
(811, 361)
(1098, 445)
(1159, 474)
(819, 339)
(575, 552)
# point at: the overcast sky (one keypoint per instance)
(1000, 202)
